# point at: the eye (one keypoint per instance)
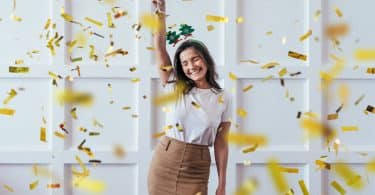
(196, 59)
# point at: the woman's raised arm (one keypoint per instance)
(163, 60)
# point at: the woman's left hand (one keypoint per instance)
(220, 191)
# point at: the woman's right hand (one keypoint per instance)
(159, 5)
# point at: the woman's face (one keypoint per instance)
(193, 64)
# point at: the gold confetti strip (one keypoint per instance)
(66, 16)
(11, 95)
(135, 80)
(303, 187)
(270, 65)
(213, 18)
(335, 30)
(60, 135)
(349, 128)
(89, 185)
(364, 54)
(119, 151)
(297, 55)
(196, 105)
(15, 18)
(289, 170)
(53, 185)
(151, 21)
(115, 52)
(250, 149)
(246, 139)
(166, 98)
(267, 78)
(35, 170)
(43, 134)
(69, 96)
(77, 59)
(359, 99)
(338, 12)
(306, 35)
(92, 133)
(322, 165)
(15, 69)
(33, 185)
(73, 113)
(179, 127)
(151, 48)
(126, 108)
(370, 109)
(81, 38)
(210, 27)
(241, 112)
(371, 166)
(7, 187)
(85, 171)
(282, 72)
(96, 123)
(93, 21)
(351, 178)
(93, 54)
(120, 13)
(370, 70)
(269, 33)
(247, 88)
(109, 20)
(247, 188)
(338, 187)
(249, 61)
(159, 134)
(344, 93)
(232, 76)
(278, 178)
(317, 15)
(239, 20)
(332, 116)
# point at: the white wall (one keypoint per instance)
(269, 111)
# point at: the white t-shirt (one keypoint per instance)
(196, 116)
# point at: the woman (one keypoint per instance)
(200, 118)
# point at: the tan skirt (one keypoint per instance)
(179, 168)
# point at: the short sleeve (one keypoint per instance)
(227, 112)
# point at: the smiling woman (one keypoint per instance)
(198, 119)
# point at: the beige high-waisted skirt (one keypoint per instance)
(179, 168)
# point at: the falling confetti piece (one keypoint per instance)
(33, 185)
(250, 149)
(306, 35)
(250, 61)
(247, 88)
(247, 188)
(210, 27)
(213, 18)
(270, 65)
(351, 178)
(89, 184)
(338, 187)
(93, 21)
(364, 54)
(53, 185)
(303, 187)
(232, 76)
(349, 128)
(11, 95)
(69, 96)
(241, 112)
(297, 55)
(15, 69)
(333, 31)
(278, 178)
(7, 187)
(239, 20)
(246, 139)
(289, 170)
(338, 12)
(151, 21)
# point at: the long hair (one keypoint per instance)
(211, 74)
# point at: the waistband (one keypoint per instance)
(165, 140)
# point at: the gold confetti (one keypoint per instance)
(270, 65)
(351, 178)
(115, 52)
(81, 39)
(15, 69)
(73, 113)
(338, 12)
(196, 105)
(239, 20)
(159, 134)
(277, 177)
(210, 27)
(78, 59)
(303, 187)
(335, 30)
(7, 187)
(364, 54)
(213, 18)
(33, 185)
(250, 61)
(282, 72)
(289, 170)
(43, 134)
(60, 135)
(93, 21)
(297, 55)
(332, 116)
(250, 149)
(232, 76)
(53, 185)
(338, 187)
(241, 112)
(267, 78)
(109, 20)
(246, 139)
(119, 151)
(135, 80)
(370, 70)
(11, 95)
(306, 35)
(94, 133)
(349, 128)
(371, 166)
(96, 123)
(247, 88)
(151, 21)
(66, 16)
(247, 188)
(89, 185)
(344, 93)
(269, 33)
(15, 18)
(323, 165)
(317, 15)
(69, 96)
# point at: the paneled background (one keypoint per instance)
(269, 30)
